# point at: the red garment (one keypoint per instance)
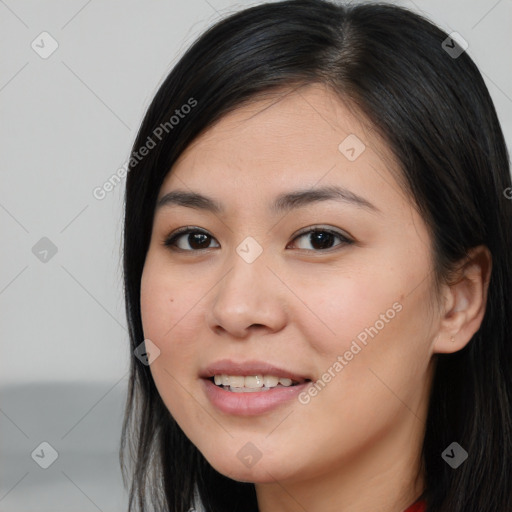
(419, 506)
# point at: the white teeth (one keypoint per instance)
(221, 380)
(236, 381)
(254, 381)
(270, 381)
(251, 382)
(246, 390)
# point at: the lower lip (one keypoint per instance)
(251, 403)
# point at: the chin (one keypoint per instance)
(259, 473)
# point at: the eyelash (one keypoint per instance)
(170, 241)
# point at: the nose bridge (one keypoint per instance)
(246, 278)
(246, 295)
(246, 259)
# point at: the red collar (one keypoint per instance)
(419, 506)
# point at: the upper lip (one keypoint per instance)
(246, 368)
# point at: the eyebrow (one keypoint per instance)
(283, 203)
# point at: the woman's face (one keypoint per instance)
(345, 311)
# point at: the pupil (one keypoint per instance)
(323, 238)
(195, 237)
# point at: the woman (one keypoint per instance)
(316, 262)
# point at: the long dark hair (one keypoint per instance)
(433, 109)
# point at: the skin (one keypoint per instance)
(355, 445)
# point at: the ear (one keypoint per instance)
(465, 300)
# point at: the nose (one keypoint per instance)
(248, 298)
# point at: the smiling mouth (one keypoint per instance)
(253, 383)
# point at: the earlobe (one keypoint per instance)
(465, 302)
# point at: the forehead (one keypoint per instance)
(296, 121)
(292, 139)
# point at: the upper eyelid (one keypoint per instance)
(185, 230)
(315, 227)
(320, 227)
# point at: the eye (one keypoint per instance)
(323, 238)
(196, 238)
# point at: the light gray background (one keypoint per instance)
(67, 125)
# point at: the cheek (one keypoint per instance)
(374, 319)
(164, 309)
(383, 343)
(166, 300)
(164, 313)
(343, 305)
